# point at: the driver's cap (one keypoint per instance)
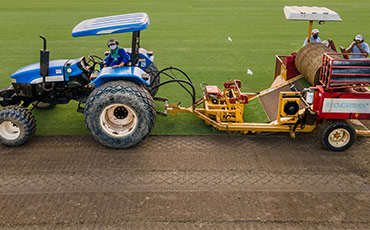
(112, 41)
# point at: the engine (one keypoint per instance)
(66, 80)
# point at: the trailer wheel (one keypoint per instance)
(17, 125)
(152, 70)
(120, 114)
(337, 135)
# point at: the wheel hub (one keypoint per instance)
(120, 112)
(339, 137)
(9, 130)
(118, 120)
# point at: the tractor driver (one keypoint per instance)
(314, 37)
(117, 56)
(358, 47)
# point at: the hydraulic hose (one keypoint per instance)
(192, 94)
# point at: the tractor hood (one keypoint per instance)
(31, 74)
(111, 25)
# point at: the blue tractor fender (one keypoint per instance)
(133, 74)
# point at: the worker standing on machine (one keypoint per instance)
(117, 56)
(358, 47)
(314, 37)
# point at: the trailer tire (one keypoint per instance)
(120, 114)
(152, 70)
(17, 125)
(337, 135)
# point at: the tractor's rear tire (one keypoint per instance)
(17, 125)
(120, 114)
(337, 135)
(155, 80)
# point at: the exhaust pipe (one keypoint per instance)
(44, 64)
(44, 60)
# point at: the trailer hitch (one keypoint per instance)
(165, 100)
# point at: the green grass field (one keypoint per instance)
(191, 35)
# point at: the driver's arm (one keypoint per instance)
(124, 55)
(107, 61)
(120, 65)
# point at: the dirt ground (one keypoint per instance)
(185, 182)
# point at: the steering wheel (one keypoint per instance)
(95, 59)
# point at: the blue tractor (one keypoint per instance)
(119, 108)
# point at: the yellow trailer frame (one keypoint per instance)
(224, 115)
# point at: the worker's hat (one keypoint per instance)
(315, 31)
(112, 41)
(359, 37)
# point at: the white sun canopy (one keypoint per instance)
(311, 13)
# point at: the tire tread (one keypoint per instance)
(25, 117)
(112, 88)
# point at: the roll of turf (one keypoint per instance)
(309, 61)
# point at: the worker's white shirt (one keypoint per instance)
(312, 40)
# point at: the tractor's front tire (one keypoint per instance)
(120, 114)
(337, 135)
(17, 125)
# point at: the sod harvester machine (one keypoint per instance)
(119, 103)
(340, 92)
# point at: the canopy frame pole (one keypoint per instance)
(309, 31)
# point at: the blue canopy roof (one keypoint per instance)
(111, 25)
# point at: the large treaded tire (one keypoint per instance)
(17, 125)
(337, 135)
(152, 70)
(120, 114)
